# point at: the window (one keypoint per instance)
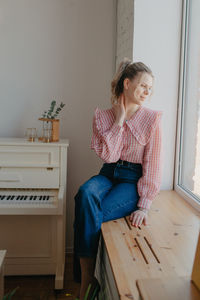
(187, 180)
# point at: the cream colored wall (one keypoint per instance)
(63, 49)
(66, 49)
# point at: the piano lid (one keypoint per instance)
(23, 141)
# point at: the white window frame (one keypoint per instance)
(186, 194)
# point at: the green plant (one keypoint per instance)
(94, 293)
(9, 295)
(52, 113)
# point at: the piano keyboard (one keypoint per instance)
(31, 198)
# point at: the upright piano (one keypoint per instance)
(33, 207)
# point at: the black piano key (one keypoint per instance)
(24, 197)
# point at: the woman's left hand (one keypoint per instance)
(139, 217)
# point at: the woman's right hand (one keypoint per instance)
(120, 111)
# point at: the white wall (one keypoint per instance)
(63, 49)
(157, 28)
(66, 49)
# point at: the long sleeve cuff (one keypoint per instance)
(144, 203)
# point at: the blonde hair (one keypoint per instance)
(126, 69)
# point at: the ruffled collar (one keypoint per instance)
(141, 124)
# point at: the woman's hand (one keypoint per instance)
(120, 111)
(139, 217)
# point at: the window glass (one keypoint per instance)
(189, 164)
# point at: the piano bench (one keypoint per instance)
(2, 257)
(165, 248)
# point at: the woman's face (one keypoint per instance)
(138, 89)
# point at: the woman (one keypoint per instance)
(127, 138)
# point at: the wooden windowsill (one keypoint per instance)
(166, 247)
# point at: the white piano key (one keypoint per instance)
(20, 198)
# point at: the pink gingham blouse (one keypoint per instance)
(138, 141)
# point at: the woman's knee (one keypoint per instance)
(93, 184)
(85, 192)
(93, 190)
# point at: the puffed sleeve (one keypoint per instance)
(149, 184)
(107, 137)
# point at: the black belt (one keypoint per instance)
(126, 163)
